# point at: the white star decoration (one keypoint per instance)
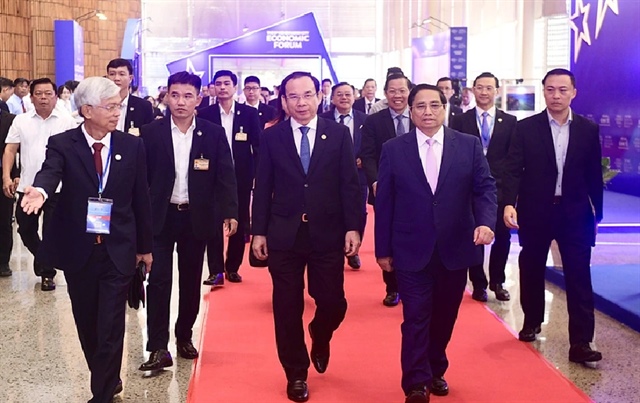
(602, 11)
(192, 70)
(580, 35)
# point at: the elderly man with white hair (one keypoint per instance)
(101, 227)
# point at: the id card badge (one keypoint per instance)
(99, 215)
(201, 164)
(241, 135)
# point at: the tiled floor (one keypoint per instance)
(41, 360)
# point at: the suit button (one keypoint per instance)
(435, 203)
(306, 185)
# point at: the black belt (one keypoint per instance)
(557, 199)
(181, 206)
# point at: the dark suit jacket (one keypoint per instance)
(361, 104)
(139, 112)
(377, 129)
(205, 102)
(531, 172)
(329, 193)
(66, 244)
(4, 107)
(274, 103)
(6, 119)
(209, 191)
(265, 114)
(453, 111)
(503, 129)
(358, 122)
(411, 221)
(245, 152)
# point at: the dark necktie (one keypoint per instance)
(400, 128)
(368, 108)
(24, 110)
(305, 149)
(97, 157)
(342, 118)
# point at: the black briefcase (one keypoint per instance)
(136, 290)
(253, 260)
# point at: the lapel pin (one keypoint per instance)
(323, 137)
(131, 108)
(199, 133)
(118, 157)
(259, 113)
(237, 112)
(499, 119)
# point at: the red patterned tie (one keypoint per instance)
(97, 157)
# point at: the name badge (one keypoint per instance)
(134, 131)
(241, 135)
(99, 215)
(201, 164)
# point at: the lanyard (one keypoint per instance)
(106, 168)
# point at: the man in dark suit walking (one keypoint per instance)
(445, 84)
(6, 203)
(553, 175)
(495, 129)
(435, 209)
(377, 129)
(136, 112)
(104, 173)
(242, 128)
(342, 97)
(306, 212)
(251, 92)
(190, 179)
(368, 98)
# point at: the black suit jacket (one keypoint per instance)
(139, 112)
(358, 122)
(531, 172)
(6, 119)
(209, 191)
(265, 113)
(246, 120)
(377, 129)
(329, 193)
(503, 129)
(66, 244)
(453, 111)
(205, 102)
(361, 104)
(4, 107)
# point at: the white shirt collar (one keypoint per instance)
(231, 111)
(191, 127)
(491, 111)
(32, 113)
(105, 141)
(337, 114)
(404, 113)
(551, 118)
(438, 137)
(313, 124)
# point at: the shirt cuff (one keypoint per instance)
(43, 193)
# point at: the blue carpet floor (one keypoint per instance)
(616, 291)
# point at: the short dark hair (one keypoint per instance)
(326, 80)
(19, 81)
(441, 79)
(134, 88)
(115, 63)
(395, 77)
(61, 88)
(367, 80)
(265, 89)
(560, 72)
(487, 75)
(5, 82)
(223, 73)
(341, 84)
(184, 77)
(72, 84)
(422, 87)
(394, 70)
(293, 76)
(43, 80)
(251, 79)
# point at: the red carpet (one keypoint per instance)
(238, 360)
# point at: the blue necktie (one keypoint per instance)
(484, 130)
(305, 149)
(400, 128)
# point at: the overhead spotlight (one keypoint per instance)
(101, 16)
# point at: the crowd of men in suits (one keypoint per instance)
(130, 185)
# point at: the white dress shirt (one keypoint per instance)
(104, 153)
(437, 148)
(560, 143)
(226, 120)
(348, 120)
(123, 115)
(182, 157)
(32, 132)
(311, 134)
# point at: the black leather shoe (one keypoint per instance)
(354, 262)
(157, 360)
(439, 386)
(528, 333)
(234, 277)
(479, 294)
(319, 354)
(392, 299)
(582, 353)
(215, 280)
(298, 391)
(418, 395)
(118, 388)
(501, 293)
(5, 271)
(186, 350)
(47, 284)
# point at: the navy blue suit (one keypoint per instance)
(430, 238)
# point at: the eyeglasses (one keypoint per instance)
(252, 88)
(422, 108)
(393, 91)
(44, 93)
(109, 108)
(296, 98)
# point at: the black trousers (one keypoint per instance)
(430, 302)
(177, 231)
(389, 278)
(6, 228)
(28, 226)
(325, 274)
(497, 258)
(575, 251)
(236, 245)
(98, 296)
